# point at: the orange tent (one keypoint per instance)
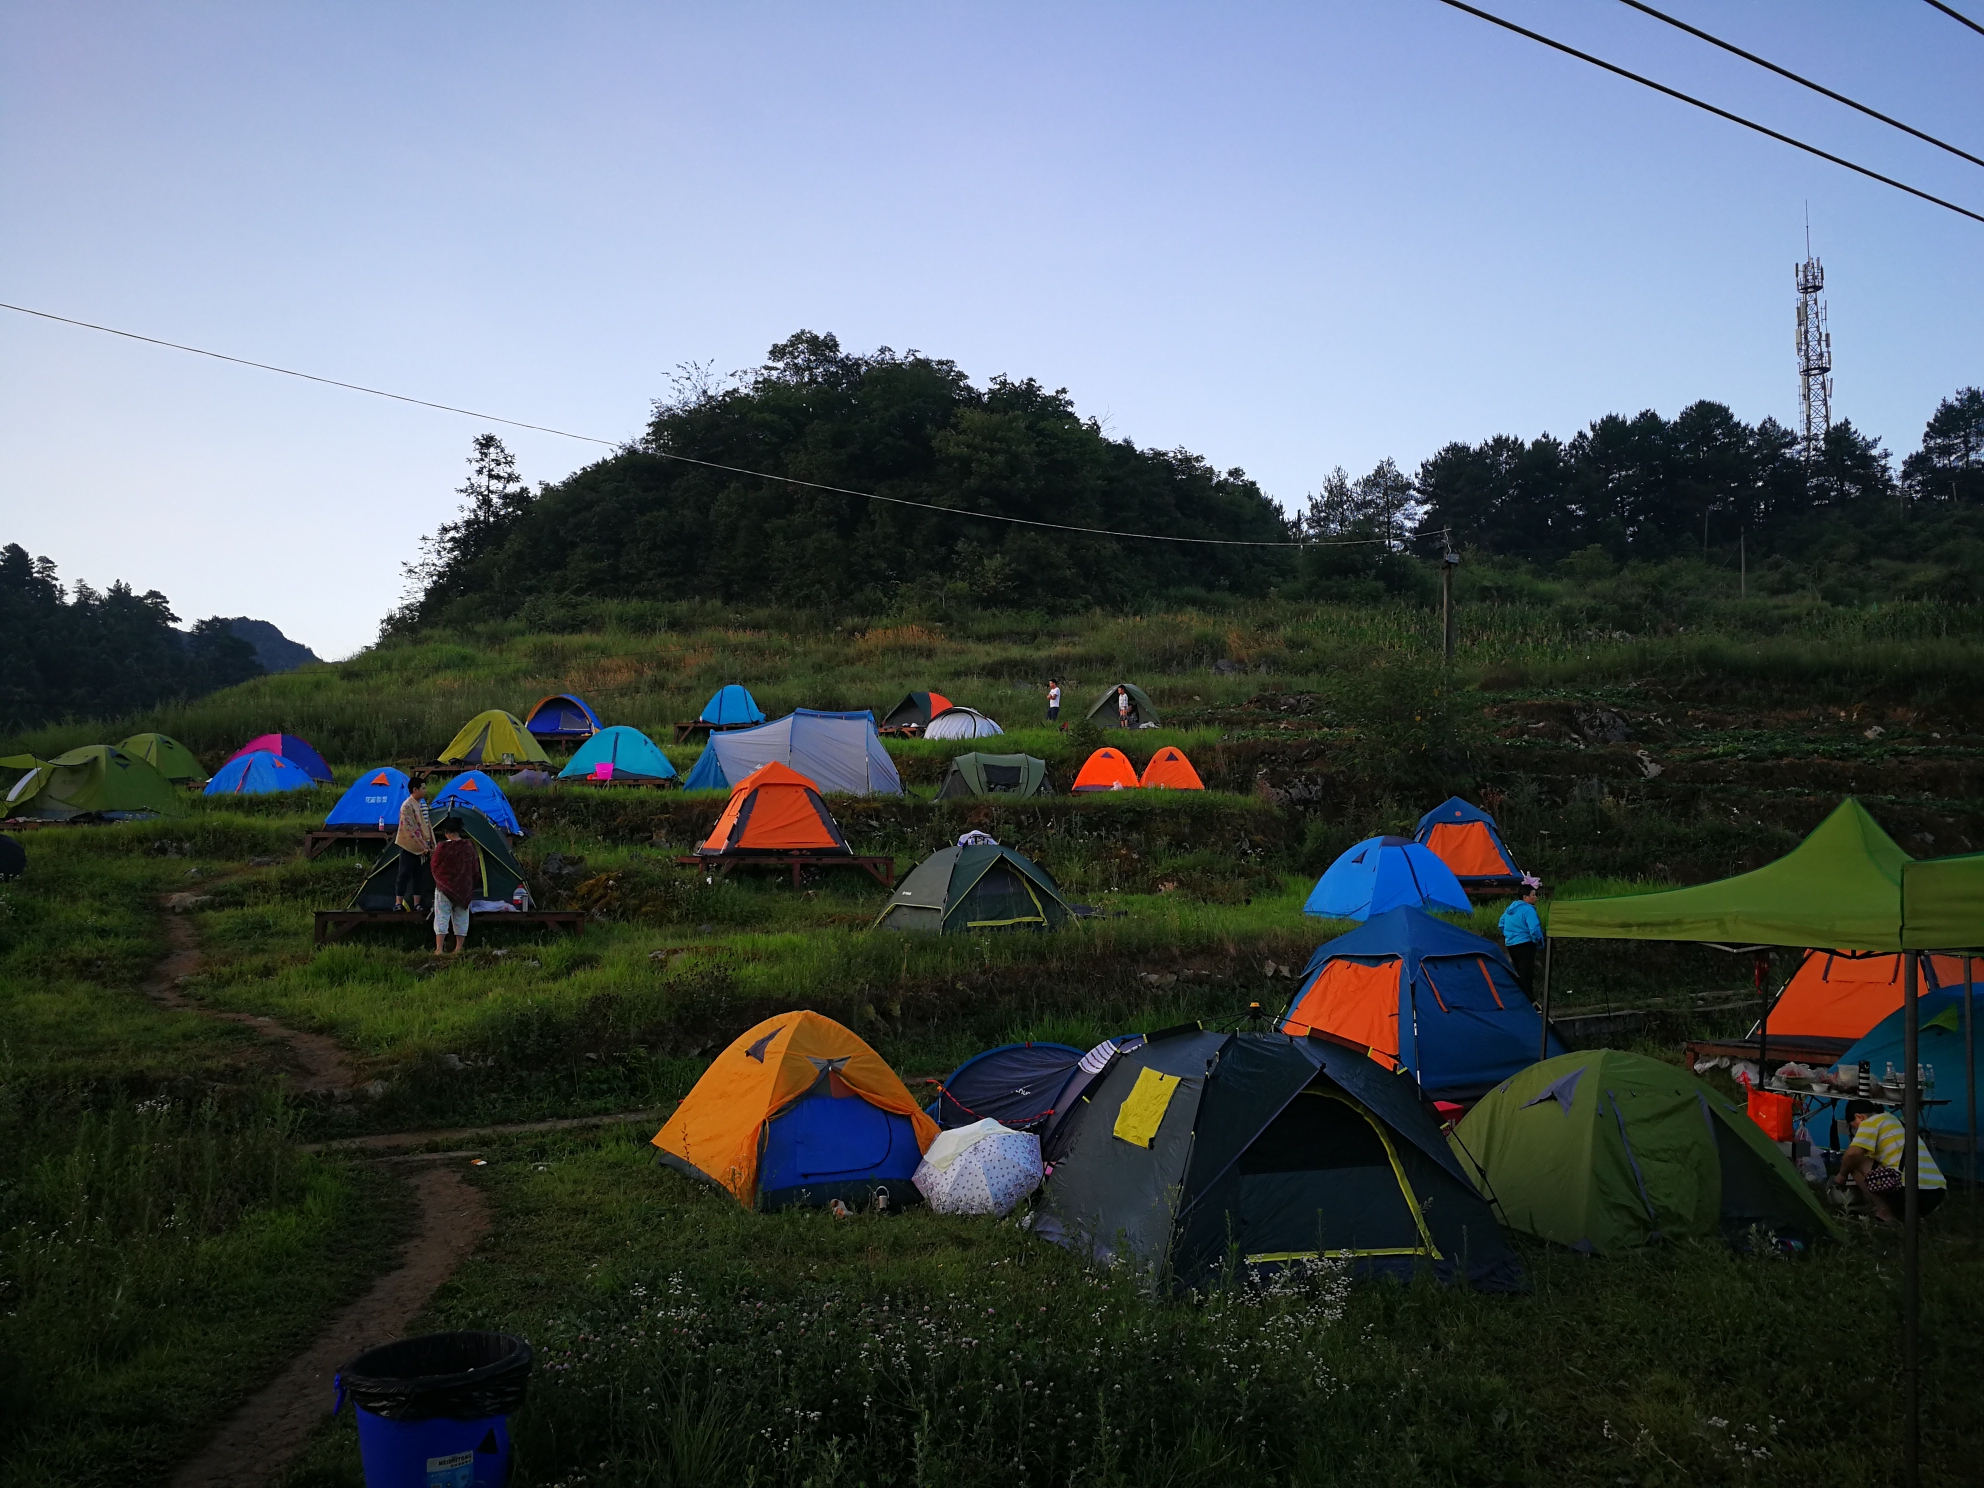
(1106, 769)
(1843, 994)
(774, 809)
(1170, 770)
(799, 1111)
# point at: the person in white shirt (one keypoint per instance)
(1123, 706)
(1053, 701)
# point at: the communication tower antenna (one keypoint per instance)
(1814, 355)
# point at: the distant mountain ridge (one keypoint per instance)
(274, 650)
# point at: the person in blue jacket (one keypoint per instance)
(1522, 933)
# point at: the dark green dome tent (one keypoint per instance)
(500, 871)
(98, 779)
(1142, 709)
(1603, 1151)
(995, 775)
(166, 755)
(978, 887)
(1274, 1150)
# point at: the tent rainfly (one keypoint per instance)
(995, 775)
(840, 752)
(628, 754)
(96, 780)
(166, 755)
(494, 738)
(731, 706)
(1466, 839)
(563, 715)
(1170, 770)
(1107, 769)
(983, 887)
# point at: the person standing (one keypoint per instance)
(415, 840)
(1123, 706)
(456, 864)
(1522, 933)
(1053, 701)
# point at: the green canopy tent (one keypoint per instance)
(995, 775)
(1604, 1151)
(168, 756)
(96, 780)
(500, 870)
(979, 887)
(1142, 709)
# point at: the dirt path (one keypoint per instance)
(258, 1441)
(391, 1141)
(325, 1065)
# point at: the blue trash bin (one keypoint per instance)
(433, 1411)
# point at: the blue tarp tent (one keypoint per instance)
(1018, 1085)
(1466, 839)
(1383, 873)
(478, 792)
(563, 715)
(839, 752)
(1425, 996)
(374, 801)
(1939, 1016)
(731, 706)
(632, 754)
(259, 773)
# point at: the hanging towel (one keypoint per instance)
(1142, 1111)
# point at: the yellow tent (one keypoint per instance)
(494, 738)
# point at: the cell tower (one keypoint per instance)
(1814, 356)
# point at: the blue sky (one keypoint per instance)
(1285, 236)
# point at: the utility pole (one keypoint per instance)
(1449, 561)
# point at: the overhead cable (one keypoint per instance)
(1722, 113)
(616, 444)
(1681, 25)
(1958, 16)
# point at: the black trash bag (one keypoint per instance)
(463, 1376)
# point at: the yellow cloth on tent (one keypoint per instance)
(1142, 1111)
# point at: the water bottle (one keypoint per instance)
(1866, 1085)
(1928, 1079)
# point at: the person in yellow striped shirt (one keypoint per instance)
(1873, 1162)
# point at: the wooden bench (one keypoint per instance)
(331, 923)
(321, 842)
(881, 869)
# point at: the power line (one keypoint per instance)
(1680, 25)
(1958, 16)
(613, 444)
(1723, 113)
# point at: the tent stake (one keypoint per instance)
(1543, 1034)
(1911, 1233)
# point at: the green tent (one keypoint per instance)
(981, 887)
(96, 779)
(1840, 888)
(1942, 903)
(501, 872)
(995, 775)
(1604, 1151)
(1142, 709)
(14, 768)
(166, 755)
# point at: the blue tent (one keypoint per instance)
(1424, 996)
(1466, 839)
(824, 1143)
(1939, 1016)
(257, 774)
(839, 752)
(730, 706)
(374, 801)
(478, 792)
(1383, 873)
(632, 754)
(563, 715)
(1018, 1085)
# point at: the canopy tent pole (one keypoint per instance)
(1543, 1031)
(1970, 1093)
(1759, 963)
(1911, 1220)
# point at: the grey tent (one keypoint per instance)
(995, 775)
(1142, 709)
(985, 887)
(839, 752)
(1271, 1150)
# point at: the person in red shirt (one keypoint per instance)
(456, 867)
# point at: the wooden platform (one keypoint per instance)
(688, 733)
(364, 838)
(437, 770)
(1802, 1048)
(882, 870)
(331, 923)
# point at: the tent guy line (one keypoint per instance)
(1721, 113)
(619, 445)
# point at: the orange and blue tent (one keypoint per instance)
(563, 715)
(1844, 994)
(1107, 769)
(1466, 839)
(799, 1111)
(1170, 770)
(774, 809)
(1421, 995)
